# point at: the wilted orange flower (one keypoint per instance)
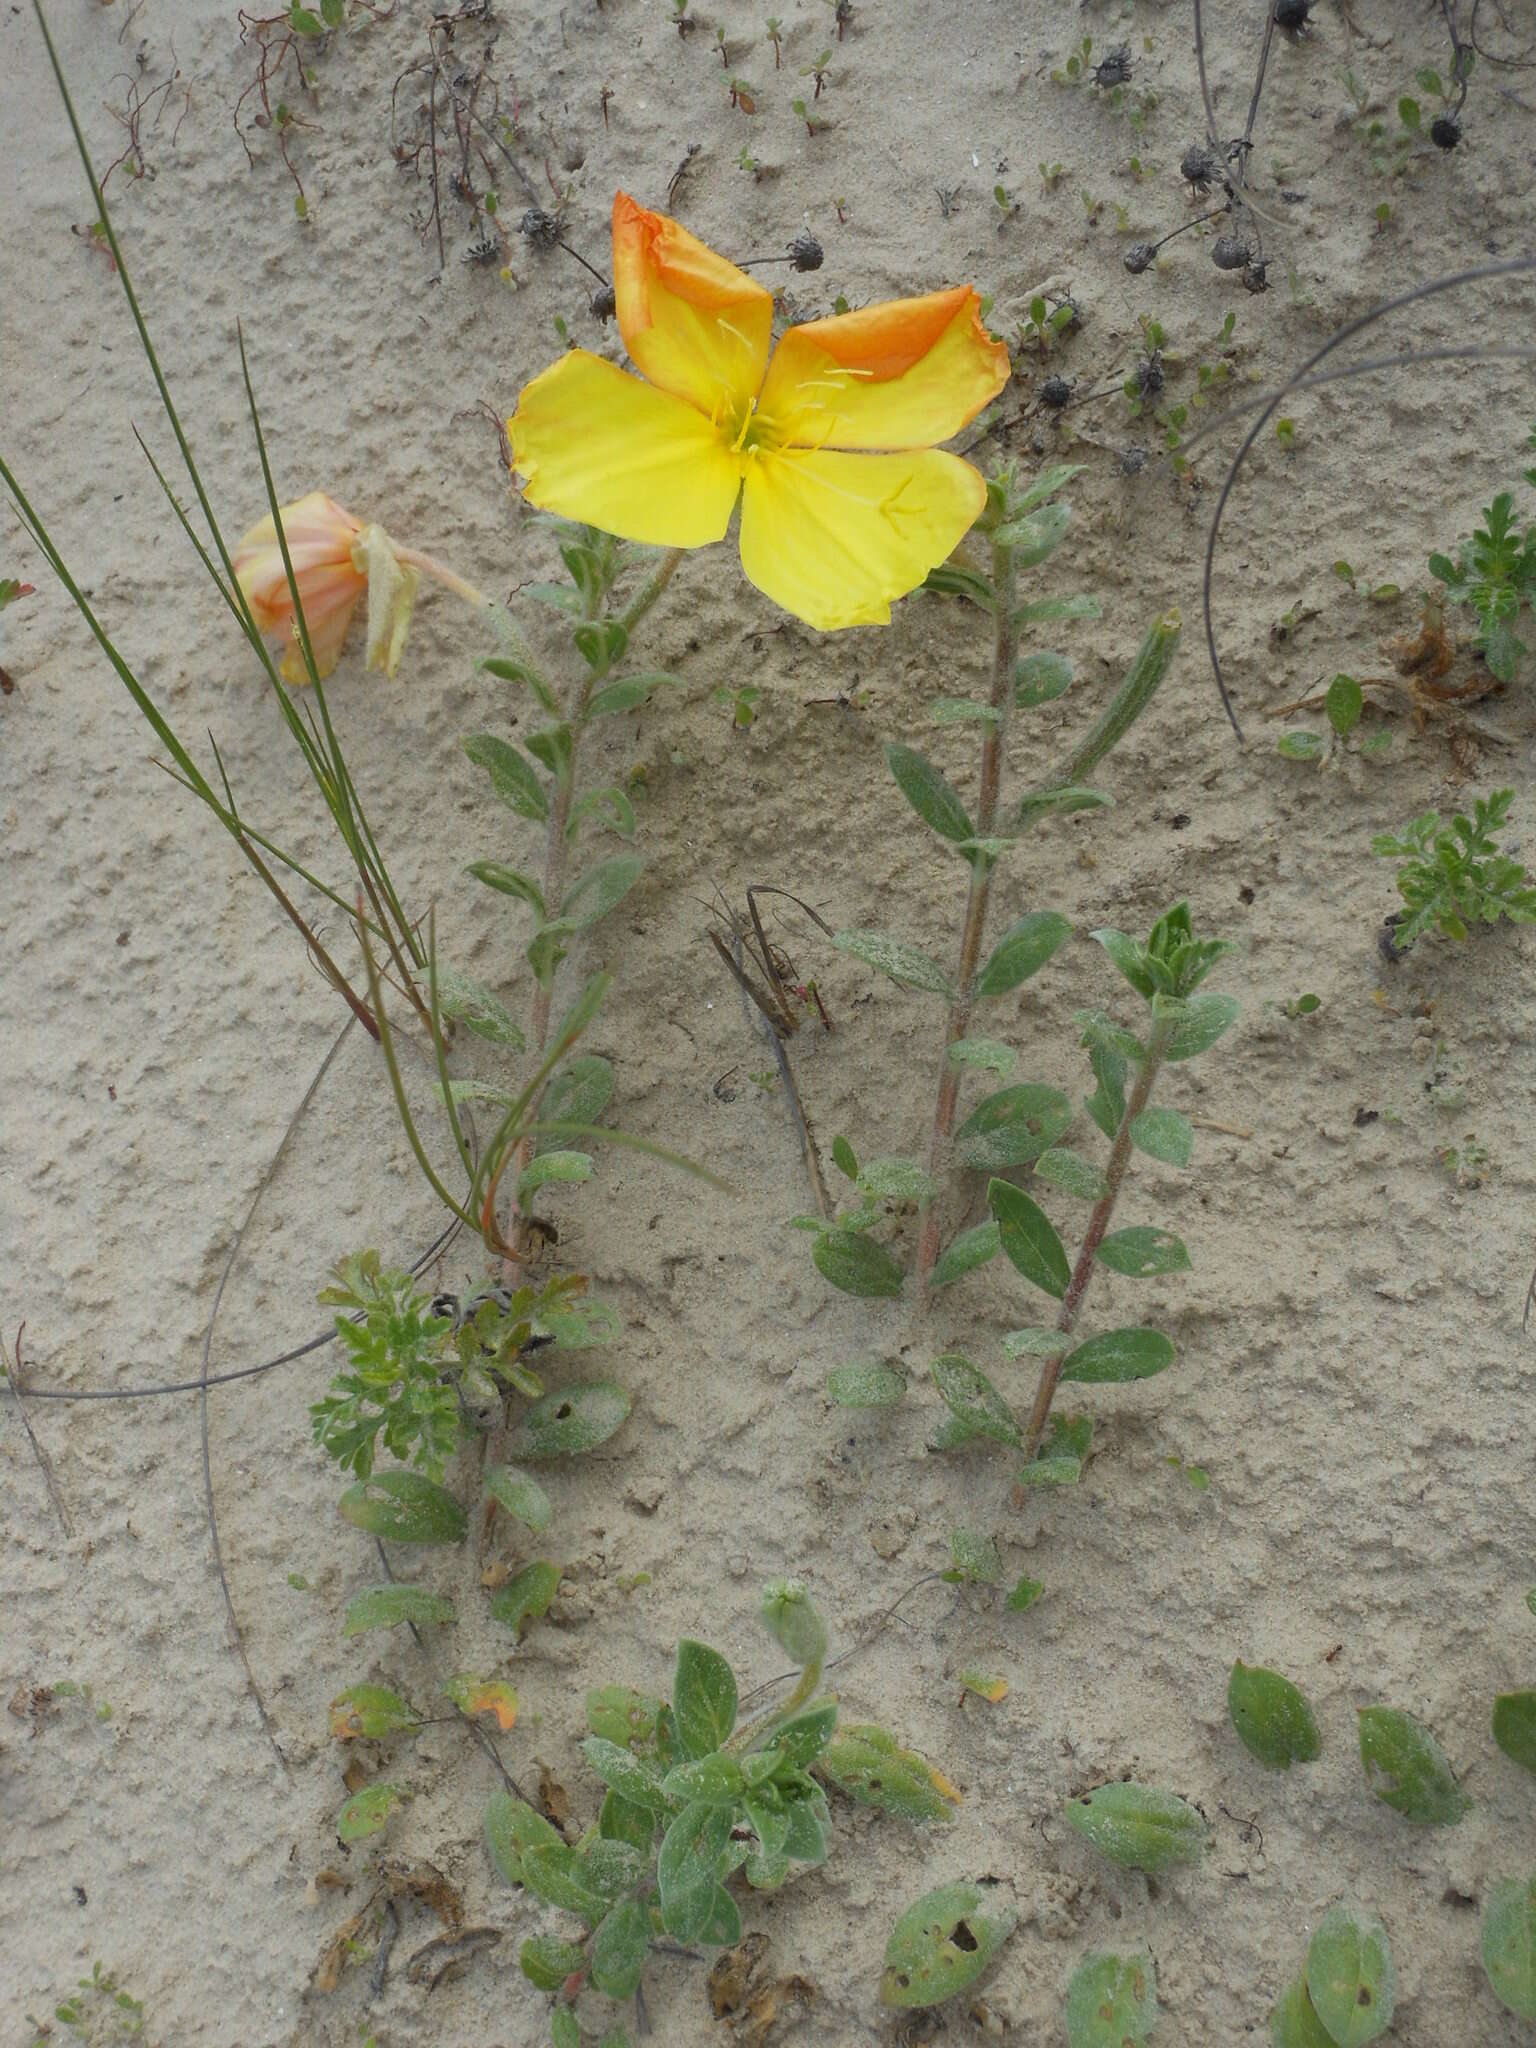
(845, 501)
(336, 561)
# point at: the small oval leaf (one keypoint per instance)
(1040, 678)
(1509, 1944)
(1111, 2002)
(703, 1698)
(1013, 1127)
(866, 1386)
(404, 1507)
(1408, 1771)
(856, 1264)
(368, 1712)
(1022, 951)
(929, 794)
(522, 1496)
(1028, 1239)
(1163, 1134)
(366, 1812)
(973, 1400)
(906, 965)
(1350, 1977)
(1071, 1172)
(972, 1248)
(1272, 1717)
(1119, 1355)
(1514, 1727)
(569, 1420)
(1202, 1021)
(513, 780)
(389, 1606)
(1143, 1252)
(1140, 1826)
(943, 1943)
(526, 1596)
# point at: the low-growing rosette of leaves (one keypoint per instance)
(695, 1798)
(1453, 876)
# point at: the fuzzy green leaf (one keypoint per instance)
(1111, 2002)
(548, 1166)
(963, 1254)
(512, 779)
(1293, 2023)
(1140, 1826)
(600, 890)
(1013, 1127)
(989, 1054)
(1040, 678)
(404, 1507)
(856, 1264)
(1509, 1944)
(521, 1495)
(546, 1961)
(1202, 1020)
(526, 1596)
(366, 1812)
(511, 1828)
(1272, 1717)
(1350, 1977)
(1163, 1134)
(1143, 1252)
(866, 1386)
(973, 1400)
(929, 794)
(871, 1767)
(619, 1949)
(569, 1420)
(389, 1606)
(1028, 1239)
(703, 1698)
(470, 1003)
(1408, 1771)
(906, 965)
(1021, 951)
(1117, 1356)
(1514, 1727)
(1071, 1172)
(943, 1943)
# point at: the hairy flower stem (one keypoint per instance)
(1093, 1236)
(1005, 648)
(556, 841)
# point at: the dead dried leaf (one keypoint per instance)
(424, 1881)
(767, 2005)
(336, 1954)
(732, 1975)
(355, 1776)
(554, 1798)
(445, 1954)
(326, 1880)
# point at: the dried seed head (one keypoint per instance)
(1291, 15)
(604, 304)
(1198, 165)
(805, 251)
(1132, 461)
(1256, 275)
(1229, 252)
(1139, 257)
(541, 228)
(1149, 375)
(1445, 131)
(1116, 67)
(1055, 392)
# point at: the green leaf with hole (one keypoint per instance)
(569, 1420)
(906, 965)
(1021, 951)
(1117, 1356)
(1012, 1127)
(526, 1596)
(1409, 1771)
(871, 1767)
(1143, 1252)
(973, 1401)
(943, 1943)
(963, 1254)
(1140, 1826)
(512, 778)
(521, 1495)
(1272, 1717)
(1293, 2023)
(1029, 1242)
(703, 1698)
(1509, 1944)
(1163, 1134)
(389, 1606)
(1350, 1976)
(855, 1264)
(875, 1385)
(929, 794)
(366, 1812)
(1111, 2001)
(404, 1507)
(1514, 1727)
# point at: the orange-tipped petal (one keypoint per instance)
(835, 538)
(906, 374)
(319, 533)
(595, 444)
(694, 324)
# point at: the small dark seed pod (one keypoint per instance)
(1229, 252)
(1055, 392)
(541, 228)
(1132, 461)
(1149, 375)
(1197, 166)
(604, 304)
(1256, 276)
(1292, 14)
(1116, 67)
(805, 251)
(1139, 257)
(1445, 131)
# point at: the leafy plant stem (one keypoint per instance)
(1005, 647)
(1098, 1224)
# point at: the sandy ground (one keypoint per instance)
(1352, 1360)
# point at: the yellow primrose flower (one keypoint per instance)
(336, 559)
(845, 501)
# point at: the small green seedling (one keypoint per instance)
(1076, 69)
(98, 2013)
(742, 704)
(694, 1797)
(1454, 876)
(1495, 575)
(1044, 323)
(1051, 175)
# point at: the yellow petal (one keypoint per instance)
(597, 445)
(902, 375)
(391, 595)
(694, 324)
(834, 538)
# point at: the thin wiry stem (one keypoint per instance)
(1511, 266)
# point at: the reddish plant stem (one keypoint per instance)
(1005, 647)
(1093, 1236)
